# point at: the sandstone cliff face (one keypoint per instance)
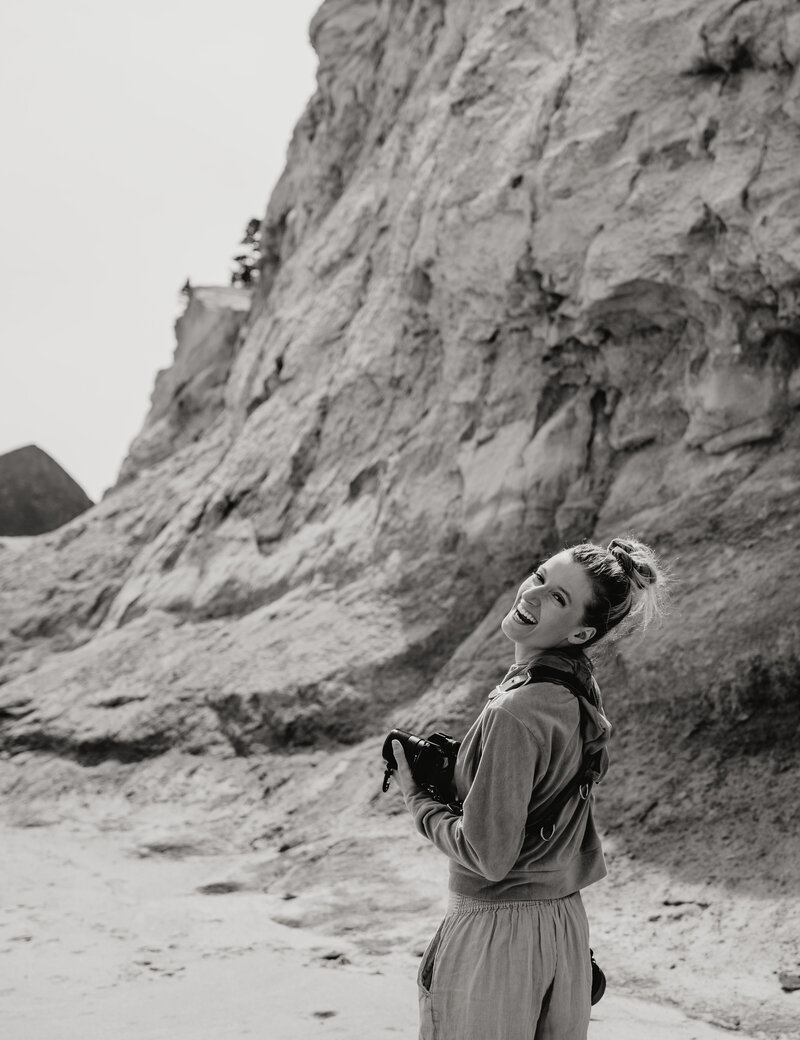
(532, 275)
(189, 396)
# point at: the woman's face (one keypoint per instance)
(549, 607)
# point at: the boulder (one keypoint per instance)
(36, 494)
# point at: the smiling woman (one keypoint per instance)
(582, 593)
(549, 608)
(511, 959)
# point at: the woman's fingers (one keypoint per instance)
(404, 777)
(399, 753)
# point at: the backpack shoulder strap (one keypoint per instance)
(544, 673)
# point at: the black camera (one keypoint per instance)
(432, 762)
(598, 979)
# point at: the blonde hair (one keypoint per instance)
(629, 584)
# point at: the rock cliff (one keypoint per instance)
(531, 275)
(188, 397)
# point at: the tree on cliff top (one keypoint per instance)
(249, 259)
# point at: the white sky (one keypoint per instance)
(137, 140)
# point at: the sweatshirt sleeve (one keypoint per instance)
(488, 838)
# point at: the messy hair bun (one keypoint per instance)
(628, 584)
(632, 558)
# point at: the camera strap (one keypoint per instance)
(588, 775)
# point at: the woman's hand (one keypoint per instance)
(405, 780)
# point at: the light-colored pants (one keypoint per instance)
(507, 971)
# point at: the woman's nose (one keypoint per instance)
(532, 595)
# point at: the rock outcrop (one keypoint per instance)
(531, 275)
(36, 494)
(188, 397)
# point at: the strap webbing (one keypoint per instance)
(547, 814)
(544, 673)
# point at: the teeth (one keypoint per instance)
(525, 615)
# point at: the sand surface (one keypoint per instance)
(98, 940)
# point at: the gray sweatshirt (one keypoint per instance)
(527, 743)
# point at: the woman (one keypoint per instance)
(510, 960)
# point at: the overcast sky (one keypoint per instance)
(137, 141)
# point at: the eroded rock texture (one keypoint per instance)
(189, 396)
(532, 275)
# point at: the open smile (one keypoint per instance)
(523, 616)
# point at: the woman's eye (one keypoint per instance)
(559, 598)
(537, 576)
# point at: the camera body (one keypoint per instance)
(432, 761)
(598, 979)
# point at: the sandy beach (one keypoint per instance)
(98, 940)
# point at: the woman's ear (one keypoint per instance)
(582, 635)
